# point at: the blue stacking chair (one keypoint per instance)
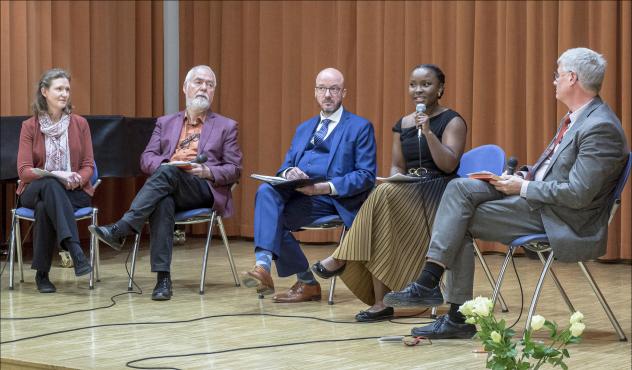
(326, 223)
(28, 214)
(539, 243)
(190, 217)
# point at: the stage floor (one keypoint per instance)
(230, 328)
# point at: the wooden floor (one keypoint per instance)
(207, 331)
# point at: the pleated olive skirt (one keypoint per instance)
(390, 236)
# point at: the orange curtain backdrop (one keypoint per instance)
(498, 58)
(113, 50)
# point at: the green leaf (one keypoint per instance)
(565, 353)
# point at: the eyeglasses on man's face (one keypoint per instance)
(322, 90)
(557, 75)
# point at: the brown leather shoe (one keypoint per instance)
(299, 292)
(259, 278)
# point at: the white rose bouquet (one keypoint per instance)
(501, 349)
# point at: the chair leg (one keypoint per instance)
(14, 224)
(97, 255)
(233, 269)
(133, 267)
(18, 244)
(209, 235)
(501, 275)
(490, 278)
(332, 288)
(602, 300)
(558, 285)
(92, 254)
(538, 289)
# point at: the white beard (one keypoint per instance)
(198, 104)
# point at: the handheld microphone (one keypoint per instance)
(512, 163)
(420, 108)
(201, 158)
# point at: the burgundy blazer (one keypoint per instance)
(32, 151)
(218, 141)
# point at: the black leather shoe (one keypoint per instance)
(162, 290)
(43, 284)
(109, 234)
(365, 316)
(444, 328)
(322, 272)
(414, 295)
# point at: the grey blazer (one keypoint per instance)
(573, 196)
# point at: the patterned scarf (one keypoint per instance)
(56, 142)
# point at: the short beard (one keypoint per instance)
(198, 104)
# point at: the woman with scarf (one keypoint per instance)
(57, 141)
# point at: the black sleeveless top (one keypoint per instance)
(410, 143)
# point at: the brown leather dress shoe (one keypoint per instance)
(259, 278)
(299, 292)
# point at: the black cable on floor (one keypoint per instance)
(139, 292)
(131, 363)
(181, 322)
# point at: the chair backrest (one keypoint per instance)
(95, 175)
(616, 195)
(482, 158)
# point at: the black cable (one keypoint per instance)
(130, 363)
(139, 292)
(180, 322)
(521, 294)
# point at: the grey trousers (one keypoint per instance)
(473, 209)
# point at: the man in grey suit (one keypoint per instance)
(565, 195)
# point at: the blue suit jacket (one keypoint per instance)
(351, 167)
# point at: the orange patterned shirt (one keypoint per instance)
(187, 147)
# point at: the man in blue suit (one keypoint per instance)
(336, 145)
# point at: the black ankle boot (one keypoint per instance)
(43, 284)
(81, 263)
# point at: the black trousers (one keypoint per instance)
(166, 191)
(54, 217)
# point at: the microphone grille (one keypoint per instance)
(420, 108)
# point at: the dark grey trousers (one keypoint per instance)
(166, 191)
(473, 209)
(54, 217)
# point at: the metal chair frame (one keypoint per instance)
(539, 243)
(204, 215)
(331, 223)
(15, 242)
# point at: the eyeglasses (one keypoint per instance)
(322, 90)
(556, 74)
(198, 83)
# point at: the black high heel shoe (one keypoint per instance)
(322, 272)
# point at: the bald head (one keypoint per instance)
(330, 90)
(333, 75)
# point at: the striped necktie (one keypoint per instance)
(319, 136)
(548, 153)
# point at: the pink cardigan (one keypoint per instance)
(32, 151)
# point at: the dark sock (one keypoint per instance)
(430, 275)
(455, 315)
(41, 274)
(164, 274)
